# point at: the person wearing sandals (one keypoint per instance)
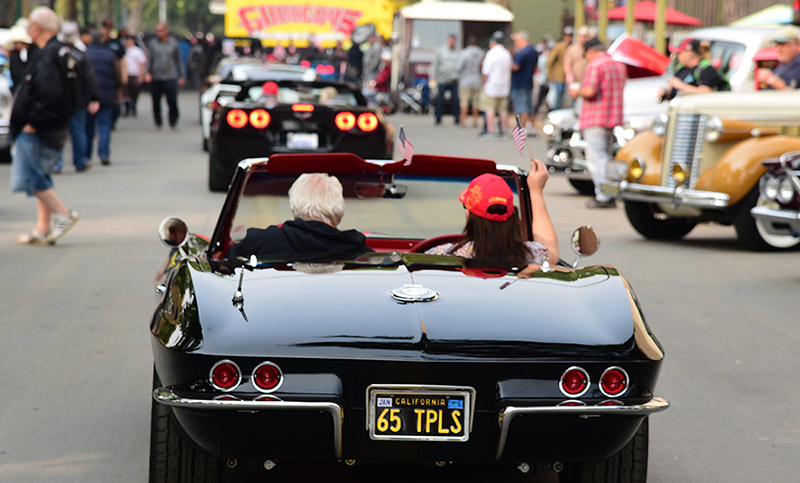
(493, 235)
(39, 129)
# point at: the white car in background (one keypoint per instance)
(225, 82)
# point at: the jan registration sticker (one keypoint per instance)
(384, 402)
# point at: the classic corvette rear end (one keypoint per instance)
(307, 117)
(395, 356)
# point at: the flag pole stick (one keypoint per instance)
(526, 138)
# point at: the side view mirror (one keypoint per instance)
(584, 242)
(173, 232)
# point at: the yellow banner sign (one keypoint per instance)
(324, 22)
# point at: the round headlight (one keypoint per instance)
(769, 187)
(636, 169)
(713, 129)
(679, 173)
(659, 127)
(548, 129)
(785, 191)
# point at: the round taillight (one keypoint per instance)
(614, 381)
(367, 122)
(225, 375)
(345, 121)
(267, 377)
(610, 402)
(236, 118)
(574, 382)
(259, 118)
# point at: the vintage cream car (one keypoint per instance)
(702, 163)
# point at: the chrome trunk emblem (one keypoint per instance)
(409, 293)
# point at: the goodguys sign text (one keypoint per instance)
(257, 18)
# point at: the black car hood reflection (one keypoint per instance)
(350, 312)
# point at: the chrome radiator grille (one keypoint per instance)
(687, 144)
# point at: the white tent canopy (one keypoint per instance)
(468, 11)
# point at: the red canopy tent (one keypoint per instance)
(645, 11)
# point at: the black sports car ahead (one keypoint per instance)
(305, 117)
(395, 355)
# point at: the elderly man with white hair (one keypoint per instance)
(43, 107)
(317, 204)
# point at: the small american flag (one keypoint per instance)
(405, 148)
(519, 137)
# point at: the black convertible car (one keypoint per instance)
(304, 117)
(394, 355)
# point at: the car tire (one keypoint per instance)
(5, 155)
(752, 234)
(217, 180)
(584, 186)
(651, 222)
(628, 465)
(173, 457)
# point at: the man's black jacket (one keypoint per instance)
(40, 99)
(298, 240)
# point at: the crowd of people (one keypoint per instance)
(503, 79)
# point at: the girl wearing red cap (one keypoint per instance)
(493, 234)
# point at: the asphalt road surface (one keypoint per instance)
(76, 360)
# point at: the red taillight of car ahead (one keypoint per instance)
(325, 69)
(574, 382)
(259, 118)
(267, 377)
(236, 118)
(367, 122)
(303, 107)
(614, 381)
(345, 120)
(225, 375)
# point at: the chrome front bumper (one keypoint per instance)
(507, 415)
(574, 166)
(168, 397)
(770, 217)
(678, 196)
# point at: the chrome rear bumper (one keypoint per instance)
(168, 397)
(506, 416)
(770, 217)
(679, 196)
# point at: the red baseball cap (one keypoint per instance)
(270, 88)
(487, 190)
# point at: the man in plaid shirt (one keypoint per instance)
(601, 111)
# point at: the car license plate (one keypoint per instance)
(419, 413)
(302, 140)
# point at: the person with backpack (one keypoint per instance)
(42, 110)
(696, 74)
(86, 104)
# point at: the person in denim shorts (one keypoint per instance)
(39, 129)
